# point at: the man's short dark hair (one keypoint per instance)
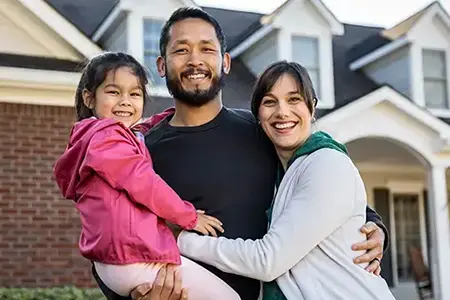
(186, 13)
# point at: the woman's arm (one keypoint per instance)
(323, 200)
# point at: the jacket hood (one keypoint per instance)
(66, 170)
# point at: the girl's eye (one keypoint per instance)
(135, 94)
(112, 92)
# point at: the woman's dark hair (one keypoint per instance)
(275, 71)
(95, 73)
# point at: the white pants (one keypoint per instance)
(201, 284)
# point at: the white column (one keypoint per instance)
(440, 232)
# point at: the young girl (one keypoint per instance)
(107, 171)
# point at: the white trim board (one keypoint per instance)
(63, 27)
(38, 87)
(378, 53)
(39, 77)
(386, 93)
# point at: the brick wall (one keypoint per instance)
(38, 230)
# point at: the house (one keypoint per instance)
(383, 92)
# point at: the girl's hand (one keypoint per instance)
(207, 225)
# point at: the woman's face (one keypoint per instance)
(284, 115)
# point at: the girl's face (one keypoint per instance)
(285, 117)
(119, 97)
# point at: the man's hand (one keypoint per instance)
(167, 286)
(373, 246)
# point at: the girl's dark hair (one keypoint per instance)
(95, 73)
(270, 76)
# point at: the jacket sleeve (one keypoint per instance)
(372, 216)
(312, 214)
(114, 157)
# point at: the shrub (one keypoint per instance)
(60, 293)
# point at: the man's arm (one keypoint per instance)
(167, 286)
(372, 216)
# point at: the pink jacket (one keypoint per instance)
(122, 202)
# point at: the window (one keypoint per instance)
(435, 79)
(152, 31)
(305, 51)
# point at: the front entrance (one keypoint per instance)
(404, 214)
(407, 230)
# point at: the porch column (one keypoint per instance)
(440, 232)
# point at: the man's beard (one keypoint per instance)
(197, 97)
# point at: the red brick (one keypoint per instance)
(37, 227)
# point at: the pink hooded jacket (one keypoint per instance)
(107, 171)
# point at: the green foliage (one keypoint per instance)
(60, 293)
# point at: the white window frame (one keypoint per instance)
(156, 81)
(443, 80)
(315, 68)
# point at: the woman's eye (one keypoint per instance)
(268, 102)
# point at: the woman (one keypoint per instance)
(319, 189)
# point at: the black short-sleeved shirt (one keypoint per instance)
(226, 167)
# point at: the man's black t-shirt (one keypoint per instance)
(226, 167)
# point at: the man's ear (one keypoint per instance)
(161, 65)
(226, 65)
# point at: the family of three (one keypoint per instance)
(206, 202)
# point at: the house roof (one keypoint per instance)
(86, 15)
(349, 85)
(237, 25)
(404, 26)
(383, 36)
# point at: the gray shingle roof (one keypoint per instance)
(86, 15)
(237, 25)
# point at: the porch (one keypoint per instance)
(403, 155)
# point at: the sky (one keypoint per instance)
(384, 13)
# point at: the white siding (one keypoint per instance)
(262, 53)
(393, 69)
(117, 41)
(301, 18)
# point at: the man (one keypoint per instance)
(214, 157)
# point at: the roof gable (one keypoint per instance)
(62, 27)
(394, 98)
(24, 33)
(388, 40)
(86, 15)
(336, 27)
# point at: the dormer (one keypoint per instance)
(299, 30)
(413, 57)
(134, 26)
